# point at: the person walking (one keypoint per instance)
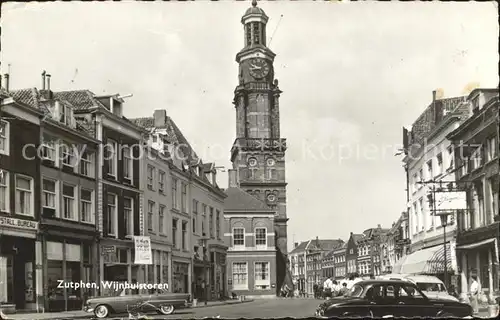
(327, 288)
(343, 290)
(474, 295)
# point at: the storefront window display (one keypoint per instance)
(180, 280)
(63, 263)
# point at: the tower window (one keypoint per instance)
(256, 33)
(248, 34)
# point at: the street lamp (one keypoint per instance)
(444, 222)
(204, 245)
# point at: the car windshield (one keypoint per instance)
(355, 291)
(432, 287)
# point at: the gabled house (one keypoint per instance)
(351, 254)
(369, 248)
(298, 265)
(251, 256)
(315, 252)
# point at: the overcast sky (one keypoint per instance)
(352, 74)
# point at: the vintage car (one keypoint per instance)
(390, 298)
(432, 286)
(123, 301)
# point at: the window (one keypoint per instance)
(477, 158)
(151, 210)
(491, 149)
(128, 216)
(111, 215)
(128, 164)
(430, 173)
(4, 137)
(238, 237)
(262, 280)
(4, 191)
(184, 197)
(217, 224)
(420, 178)
(151, 174)
(49, 197)
(110, 156)
(415, 218)
(175, 205)
(415, 184)
(211, 222)
(49, 147)
(87, 208)
(439, 168)
(161, 219)
(68, 153)
(184, 235)
(195, 214)
(451, 158)
(161, 181)
(69, 210)
(86, 167)
(24, 195)
(240, 273)
(174, 232)
(204, 211)
(465, 166)
(260, 237)
(66, 115)
(421, 213)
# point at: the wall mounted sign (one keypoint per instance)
(18, 223)
(107, 249)
(143, 250)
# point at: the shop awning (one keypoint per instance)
(425, 261)
(476, 244)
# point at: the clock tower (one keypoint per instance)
(258, 153)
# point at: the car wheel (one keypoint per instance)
(101, 311)
(167, 309)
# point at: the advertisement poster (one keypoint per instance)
(143, 250)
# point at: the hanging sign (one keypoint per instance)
(143, 250)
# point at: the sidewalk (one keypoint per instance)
(80, 314)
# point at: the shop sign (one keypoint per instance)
(18, 223)
(143, 253)
(107, 249)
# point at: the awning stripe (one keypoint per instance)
(424, 261)
(475, 245)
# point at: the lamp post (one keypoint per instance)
(203, 241)
(444, 222)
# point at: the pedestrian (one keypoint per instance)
(372, 276)
(327, 288)
(315, 290)
(335, 288)
(474, 295)
(344, 289)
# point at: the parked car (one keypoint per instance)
(161, 302)
(390, 298)
(432, 286)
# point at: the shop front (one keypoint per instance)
(218, 275)
(180, 281)
(158, 271)
(478, 256)
(68, 262)
(20, 283)
(201, 272)
(117, 265)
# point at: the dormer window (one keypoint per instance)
(65, 114)
(115, 107)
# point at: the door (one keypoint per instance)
(380, 303)
(411, 302)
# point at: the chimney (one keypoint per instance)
(48, 82)
(434, 95)
(6, 82)
(160, 118)
(233, 178)
(43, 79)
(296, 244)
(378, 226)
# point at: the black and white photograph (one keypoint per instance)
(251, 159)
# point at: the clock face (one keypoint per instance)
(270, 162)
(259, 68)
(252, 162)
(271, 197)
